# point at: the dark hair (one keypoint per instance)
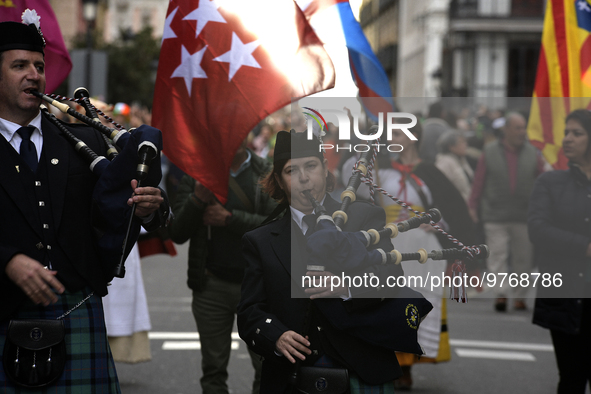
(271, 185)
(582, 116)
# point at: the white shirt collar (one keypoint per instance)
(8, 129)
(298, 217)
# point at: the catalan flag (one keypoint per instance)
(563, 80)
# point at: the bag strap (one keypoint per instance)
(240, 194)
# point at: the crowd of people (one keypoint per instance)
(248, 256)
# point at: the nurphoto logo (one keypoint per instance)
(314, 117)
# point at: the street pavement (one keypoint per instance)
(496, 353)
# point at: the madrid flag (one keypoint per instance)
(57, 58)
(224, 66)
(563, 80)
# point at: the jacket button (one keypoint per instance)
(39, 246)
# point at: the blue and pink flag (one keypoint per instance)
(57, 59)
(334, 23)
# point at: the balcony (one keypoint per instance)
(462, 9)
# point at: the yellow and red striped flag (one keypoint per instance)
(564, 74)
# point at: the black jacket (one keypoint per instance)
(69, 184)
(559, 224)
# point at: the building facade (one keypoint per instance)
(474, 48)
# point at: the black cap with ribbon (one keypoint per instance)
(26, 35)
(294, 145)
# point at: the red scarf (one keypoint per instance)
(407, 171)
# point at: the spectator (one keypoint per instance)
(433, 127)
(503, 182)
(451, 161)
(216, 266)
(558, 223)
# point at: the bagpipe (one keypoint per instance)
(391, 322)
(351, 247)
(133, 154)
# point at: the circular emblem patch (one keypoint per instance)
(321, 384)
(412, 316)
(36, 334)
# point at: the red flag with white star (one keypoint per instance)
(223, 67)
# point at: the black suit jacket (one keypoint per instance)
(267, 308)
(71, 185)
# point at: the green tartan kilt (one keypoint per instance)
(358, 386)
(89, 365)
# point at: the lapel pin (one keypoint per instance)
(17, 168)
(54, 161)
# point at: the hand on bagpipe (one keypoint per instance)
(134, 156)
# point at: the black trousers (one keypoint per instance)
(573, 355)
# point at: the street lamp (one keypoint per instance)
(89, 11)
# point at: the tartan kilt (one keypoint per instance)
(358, 386)
(89, 363)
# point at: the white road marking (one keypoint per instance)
(494, 354)
(181, 345)
(190, 345)
(521, 351)
(538, 347)
(173, 335)
(181, 335)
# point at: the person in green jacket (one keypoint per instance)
(216, 265)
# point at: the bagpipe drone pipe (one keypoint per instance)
(391, 322)
(136, 155)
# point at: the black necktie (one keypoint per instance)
(310, 220)
(28, 150)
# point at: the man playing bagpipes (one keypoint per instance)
(313, 337)
(52, 268)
